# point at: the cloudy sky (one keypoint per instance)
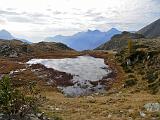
(37, 19)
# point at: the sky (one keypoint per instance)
(37, 19)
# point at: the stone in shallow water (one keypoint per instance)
(81, 89)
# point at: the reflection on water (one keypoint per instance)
(83, 68)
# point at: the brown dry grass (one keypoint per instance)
(116, 104)
(121, 106)
(7, 65)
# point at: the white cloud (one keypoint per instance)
(40, 18)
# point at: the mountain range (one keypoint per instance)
(96, 39)
(85, 40)
(5, 35)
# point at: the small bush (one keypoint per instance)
(131, 76)
(13, 103)
(154, 87)
(130, 83)
(55, 117)
(141, 72)
(127, 69)
(151, 76)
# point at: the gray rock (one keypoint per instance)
(1, 115)
(91, 99)
(152, 107)
(13, 54)
(142, 114)
(109, 115)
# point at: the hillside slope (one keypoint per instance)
(142, 64)
(119, 41)
(152, 30)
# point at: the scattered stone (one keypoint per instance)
(13, 55)
(1, 76)
(96, 93)
(40, 115)
(142, 114)
(130, 110)
(57, 109)
(121, 111)
(91, 99)
(1, 115)
(109, 115)
(51, 107)
(130, 118)
(32, 117)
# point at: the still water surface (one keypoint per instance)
(83, 69)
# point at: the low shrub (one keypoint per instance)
(151, 76)
(14, 103)
(130, 82)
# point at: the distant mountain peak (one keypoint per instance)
(4, 34)
(93, 31)
(3, 30)
(113, 29)
(59, 35)
(89, 30)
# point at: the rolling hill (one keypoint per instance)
(16, 48)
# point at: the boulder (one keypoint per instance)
(152, 107)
